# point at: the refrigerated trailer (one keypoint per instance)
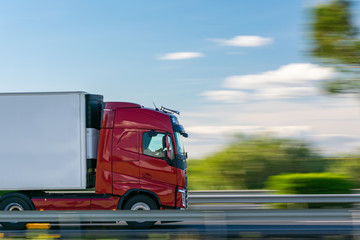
(73, 151)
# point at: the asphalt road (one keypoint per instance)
(195, 230)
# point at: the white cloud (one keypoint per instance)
(285, 92)
(216, 129)
(225, 96)
(326, 136)
(337, 143)
(245, 41)
(294, 80)
(294, 73)
(283, 131)
(181, 55)
(289, 131)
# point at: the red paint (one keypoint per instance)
(181, 178)
(105, 203)
(165, 192)
(70, 203)
(92, 202)
(120, 188)
(142, 118)
(125, 158)
(108, 119)
(104, 165)
(116, 105)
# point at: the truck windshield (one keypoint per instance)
(179, 143)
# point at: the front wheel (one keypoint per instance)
(140, 202)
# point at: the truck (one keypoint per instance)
(73, 151)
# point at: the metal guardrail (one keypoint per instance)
(243, 192)
(176, 215)
(231, 192)
(303, 198)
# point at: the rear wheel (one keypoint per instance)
(14, 204)
(140, 202)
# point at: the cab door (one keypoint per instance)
(125, 160)
(156, 171)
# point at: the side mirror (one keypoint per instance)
(185, 135)
(167, 148)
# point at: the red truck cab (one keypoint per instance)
(141, 152)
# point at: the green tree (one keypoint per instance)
(250, 160)
(336, 44)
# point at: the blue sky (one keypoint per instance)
(243, 65)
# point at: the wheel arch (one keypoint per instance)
(133, 192)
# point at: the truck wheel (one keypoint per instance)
(14, 204)
(140, 202)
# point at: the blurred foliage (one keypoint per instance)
(250, 160)
(348, 165)
(310, 183)
(336, 44)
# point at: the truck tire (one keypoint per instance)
(140, 202)
(14, 204)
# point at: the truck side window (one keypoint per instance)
(154, 146)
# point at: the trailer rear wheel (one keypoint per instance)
(140, 203)
(14, 204)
